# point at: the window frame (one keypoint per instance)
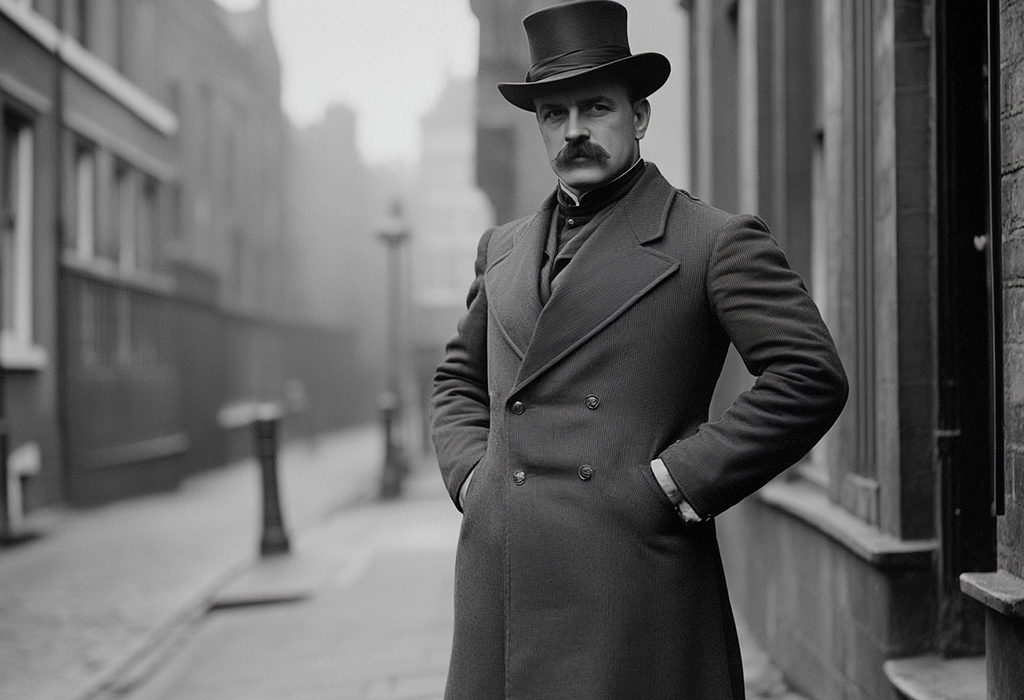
(18, 349)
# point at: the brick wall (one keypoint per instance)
(1011, 527)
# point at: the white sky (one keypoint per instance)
(386, 59)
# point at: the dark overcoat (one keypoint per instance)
(575, 577)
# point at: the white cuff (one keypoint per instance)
(465, 487)
(668, 485)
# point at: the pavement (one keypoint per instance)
(105, 586)
(166, 598)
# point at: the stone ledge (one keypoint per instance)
(1000, 591)
(931, 677)
(811, 505)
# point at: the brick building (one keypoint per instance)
(860, 132)
(1002, 591)
(147, 261)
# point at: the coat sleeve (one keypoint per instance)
(800, 387)
(460, 405)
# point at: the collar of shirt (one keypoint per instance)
(570, 225)
(581, 209)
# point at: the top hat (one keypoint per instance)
(583, 41)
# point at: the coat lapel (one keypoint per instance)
(610, 272)
(511, 282)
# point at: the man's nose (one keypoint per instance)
(575, 129)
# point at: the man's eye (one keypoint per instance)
(598, 109)
(553, 115)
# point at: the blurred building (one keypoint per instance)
(333, 198)
(450, 214)
(861, 132)
(150, 281)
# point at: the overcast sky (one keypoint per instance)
(386, 59)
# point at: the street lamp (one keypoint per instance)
(393, 234)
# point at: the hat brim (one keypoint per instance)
(642, 73)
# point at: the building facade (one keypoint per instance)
(451, 214)
(1001, 591)
(876, 143)
(147, 245)
(29, 195)
(866, 134)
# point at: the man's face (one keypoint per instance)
(591, 132)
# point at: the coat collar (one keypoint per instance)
(611, 271)
(512, 281)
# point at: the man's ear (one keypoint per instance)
(641, 117)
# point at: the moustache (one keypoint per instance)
(580, 149)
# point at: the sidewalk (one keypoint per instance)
(362, 610)
(106, 586)
(165, 598)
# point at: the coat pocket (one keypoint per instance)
(647, 509)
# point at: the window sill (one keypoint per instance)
(32, 23)
(805, 502)
(1000, 591)
(930, 677)
(15, 357)
(136, 453)
(107, 271)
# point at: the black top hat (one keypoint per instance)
(583, 40)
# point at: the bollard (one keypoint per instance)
(265, 423)
(394, 468)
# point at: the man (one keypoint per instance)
(570, 415)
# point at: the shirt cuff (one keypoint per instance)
(465, 487)
(668, 485)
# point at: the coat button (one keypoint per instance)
(592, 402)
(586, 471)
(518, 408)
(519, 477)
(570, 222)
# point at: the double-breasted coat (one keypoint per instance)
(575, 577)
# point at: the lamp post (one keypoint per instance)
(393, 234)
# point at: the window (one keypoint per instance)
(82, 25)
(863, 380)
(230, 180)
(85, 203)
(16, 198)
(238, 262)
(146, 228)
(207, 127)
(124, 217)
(122, 34)
(125, 181)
